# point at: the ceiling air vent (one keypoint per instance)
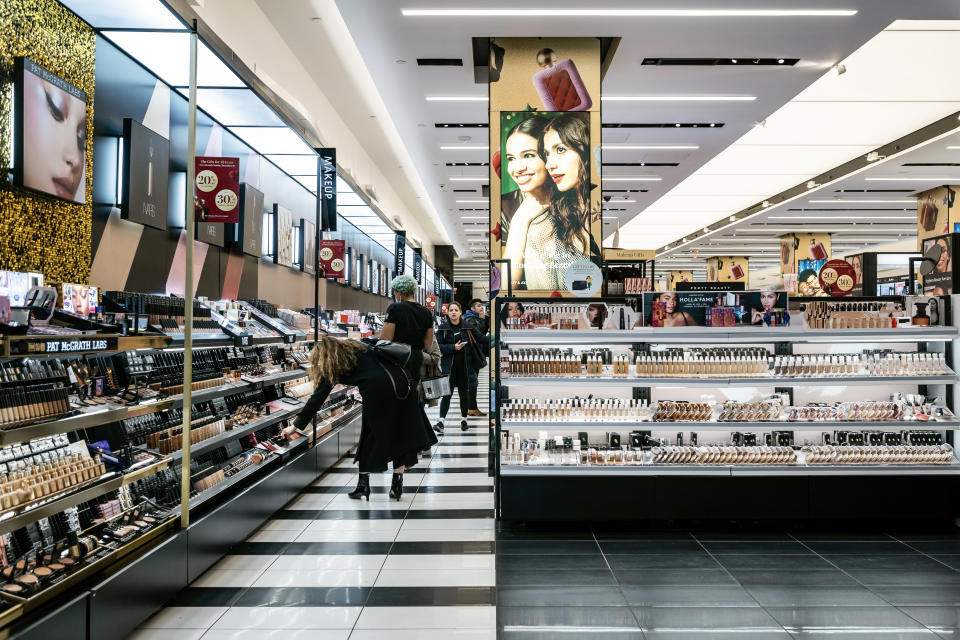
(440, 62)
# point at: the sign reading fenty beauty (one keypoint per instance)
(217, 189)
(545, 165)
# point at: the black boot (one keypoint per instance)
(396, 487)
(463, 425)
(363, 488)
(439, 427)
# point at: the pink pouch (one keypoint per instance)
(559, 84)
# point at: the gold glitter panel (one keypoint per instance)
(40, 233)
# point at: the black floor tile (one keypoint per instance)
(843, 619)
(674, 577)
(672, 634)
(618, 533)
(334, 548)
(847, 535)
(935, 617)
(296, 514)
(799, 596)
(594, 634)
(947, 577)
(448, 514)
(751, 547)
(742, 535)
(431, 596)
(362, 514)
(919, 634)
(860, 547)
(328, 490)
(547, 547)
(919, 595)
(546, 563)
(206, 597)
(567, 618)
(508, 576)
(260, 548)
(744, 620)
(887, 563)
(303, 597)
(437, 548)
(800, 578)
(936, 547)
(688, 596)
(643, 547)
(777, 562)
(661, 561)
(539, 534)
(559, 596)
(952, 561)
(460, 455)
(455, 489)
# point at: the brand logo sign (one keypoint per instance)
(400, 253)
(328, 189)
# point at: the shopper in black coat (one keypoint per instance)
(454, 337)
(394, 426)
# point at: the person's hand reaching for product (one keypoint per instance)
(459, 345)
(288, 432)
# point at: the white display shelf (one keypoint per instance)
(733, 470)
(727, 335)
(634, 381)
(534, 425)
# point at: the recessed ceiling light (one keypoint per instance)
(910, 179)
(636, 178)
(953, 147)
(468, 178)
(545, 12)
(472, 201)
(780, 60)
(457, 98)
(455, 147)
(838, 69)
(651, 147)
(704, 98)
(863, 201)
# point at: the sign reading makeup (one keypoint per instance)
(545, 168)
(216, 195)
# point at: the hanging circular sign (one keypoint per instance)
(838, 278)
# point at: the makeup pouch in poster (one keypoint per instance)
(940, 250)
(559, 84)
(926, 311)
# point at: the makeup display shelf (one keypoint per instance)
(592, 442)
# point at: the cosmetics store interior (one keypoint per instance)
(710, 244)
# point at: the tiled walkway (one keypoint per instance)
(331, 568)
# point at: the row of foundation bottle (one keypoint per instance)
(576, 409)
(877, 364)
(48, 478)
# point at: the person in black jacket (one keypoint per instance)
(394, 426)
(478, 315)
(454, 337)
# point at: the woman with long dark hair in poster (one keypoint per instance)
(544, 244)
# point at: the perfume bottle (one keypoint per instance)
(559, 84)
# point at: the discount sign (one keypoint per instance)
(838, 278)
(332, 264)
(216, 193)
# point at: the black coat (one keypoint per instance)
(393, 430)
(447, 342)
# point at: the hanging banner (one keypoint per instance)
(431, 302)
(332, 263)
(436, 284)
(838, 278)
(327, 188)
(400, 253)
(216, 194)
(418, 265)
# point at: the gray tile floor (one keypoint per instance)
(681, 585)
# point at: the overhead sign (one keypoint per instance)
(418, 265)
(216, 194)
(400, 253)
(628, 255)
(431, 301)
(327, 188)
(332, 263)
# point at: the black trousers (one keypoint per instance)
(473, 398)
(462, 391)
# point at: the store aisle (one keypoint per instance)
(331, 568)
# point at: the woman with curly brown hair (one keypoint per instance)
(394, 425)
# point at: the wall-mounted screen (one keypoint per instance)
(283, 235)
(146, 174)
(80, 299)
(248, 234)
(358, 272)
(308, 247)
(50, 139)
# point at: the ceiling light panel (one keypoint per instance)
(272, 140)
(125, 14)
(296, 165)
(167, 54)
(545, 12)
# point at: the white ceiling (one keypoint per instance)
(383, 36)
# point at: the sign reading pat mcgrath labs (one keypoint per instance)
(146, 160)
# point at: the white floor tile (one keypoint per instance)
(459, 462)
(285, 525)
(289, 618)
(480, 617)
(444, 535)
(214, 578)
(425, 634)
(453, 501)
(354, 525)
(381, 501)
(456, 479)
(334, 480)
(274, 536)
(166, 634)
(486, 524)
(243, 563)
(346, 578)
(310, 502)
(441, 562)
(184, 618)
(438, 578)
(347, 536)
(279, 634)
(329, 563)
